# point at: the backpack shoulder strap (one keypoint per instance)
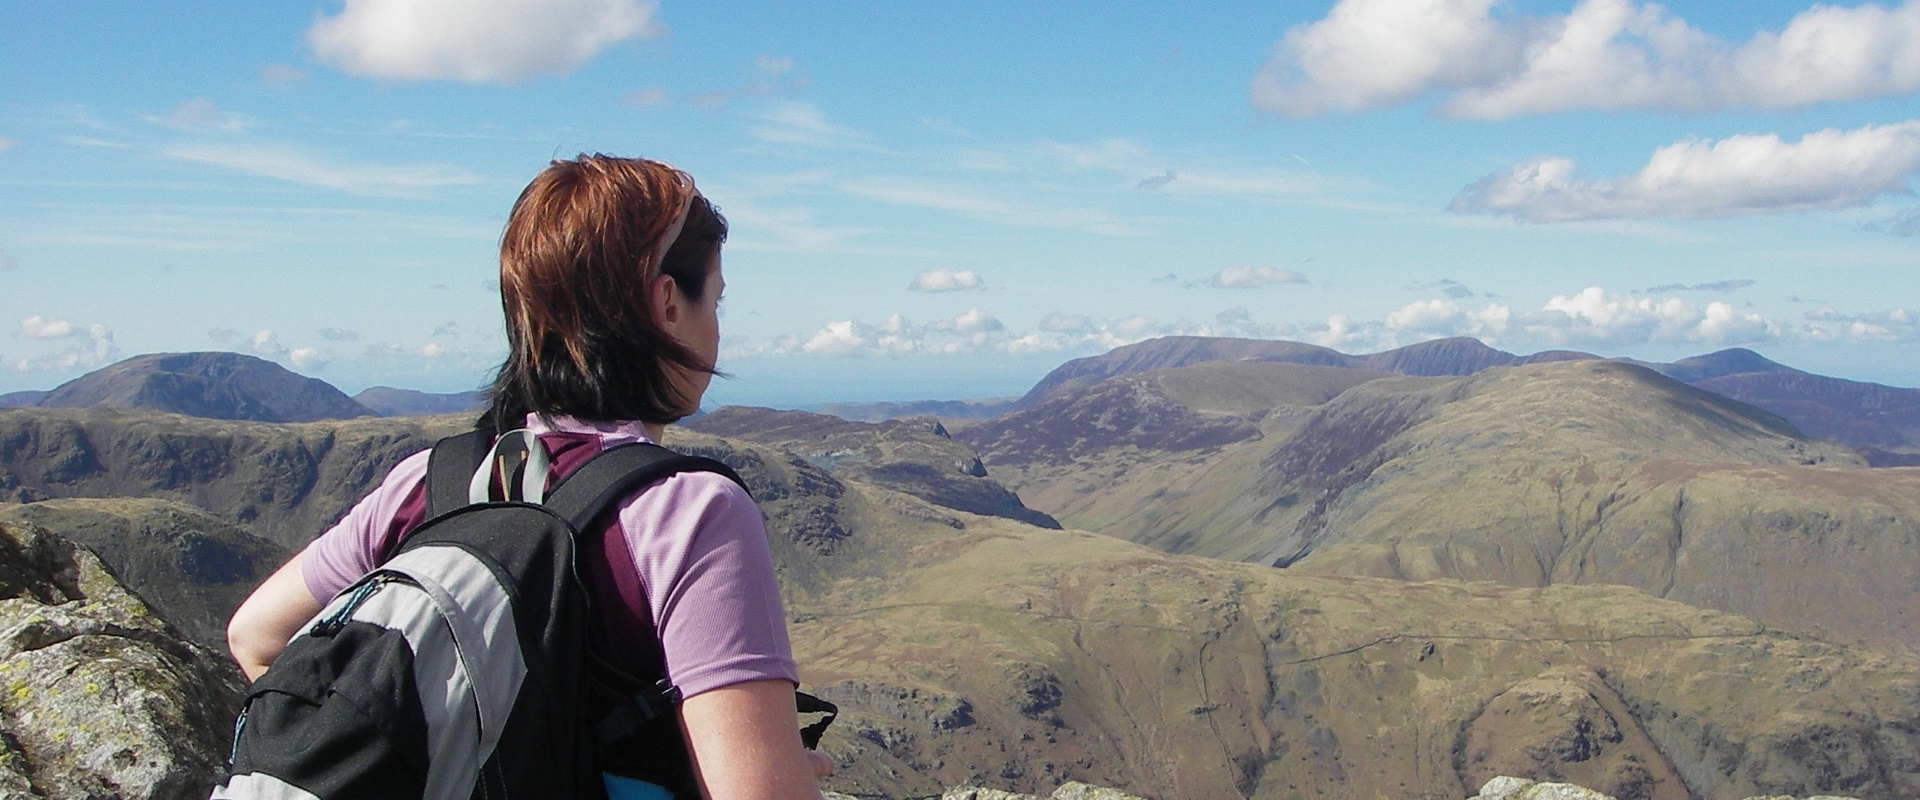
(451, 467)
(613, 473)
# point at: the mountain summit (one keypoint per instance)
(213, 385)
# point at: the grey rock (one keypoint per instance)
(98, 696)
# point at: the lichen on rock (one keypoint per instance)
(99, 697)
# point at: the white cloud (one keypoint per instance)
(1893, 325)
(1739, 175)
(266, 344)
(1597, 317)
(1250, 277)
(945, 280)
(794, 122)
(1603, 54)
(8, 144)
(475, 41)
(99, 351)
(428, 351)
(200, 114)
(1591, 318)
(339, 335)
(307, 359)
(297, 167)
(973, 320)
(977, 331)
(39, 327)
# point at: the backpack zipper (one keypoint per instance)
(337, 621)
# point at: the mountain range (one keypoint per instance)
(1192, 573)
(981, 650)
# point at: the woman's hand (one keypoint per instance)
(745, 741)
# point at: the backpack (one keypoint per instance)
(464, 666)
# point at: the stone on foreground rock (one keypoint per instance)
(1507, 787)
(1071, 790)
(99, 697)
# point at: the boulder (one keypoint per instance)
(99, 697)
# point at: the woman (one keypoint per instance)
(610, 279)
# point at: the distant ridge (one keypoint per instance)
(1719, 364)
(213, 385)
(390, 402)
(21, 399)
(1459, 355)
(944, 409)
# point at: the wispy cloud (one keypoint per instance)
(1253, 277)
(1714, 286)
(8, 144)
(475, 41)
(797, 123)
(295, 166)
(793, 229)
(1603, 54)
(946, 280)
(1905, 222)
(1736, 176)
(201, 114)
(7, 262)
(646, 98)
(280, 76)
(993, 209)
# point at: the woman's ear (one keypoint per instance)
(663, 299)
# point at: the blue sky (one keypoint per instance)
(946, 201)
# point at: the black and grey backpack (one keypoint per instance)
(464, 666)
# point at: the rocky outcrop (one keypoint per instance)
(98, 696)
(1506, 787)
(192, 566)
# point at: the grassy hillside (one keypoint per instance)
(1583, 472)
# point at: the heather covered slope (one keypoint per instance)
(1583, 472)
(213, 385)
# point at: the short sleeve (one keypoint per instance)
(700, 546)
(351, 548)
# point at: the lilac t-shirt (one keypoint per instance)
(697, 545)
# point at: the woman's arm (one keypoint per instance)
(745, 740)
(263, 625)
